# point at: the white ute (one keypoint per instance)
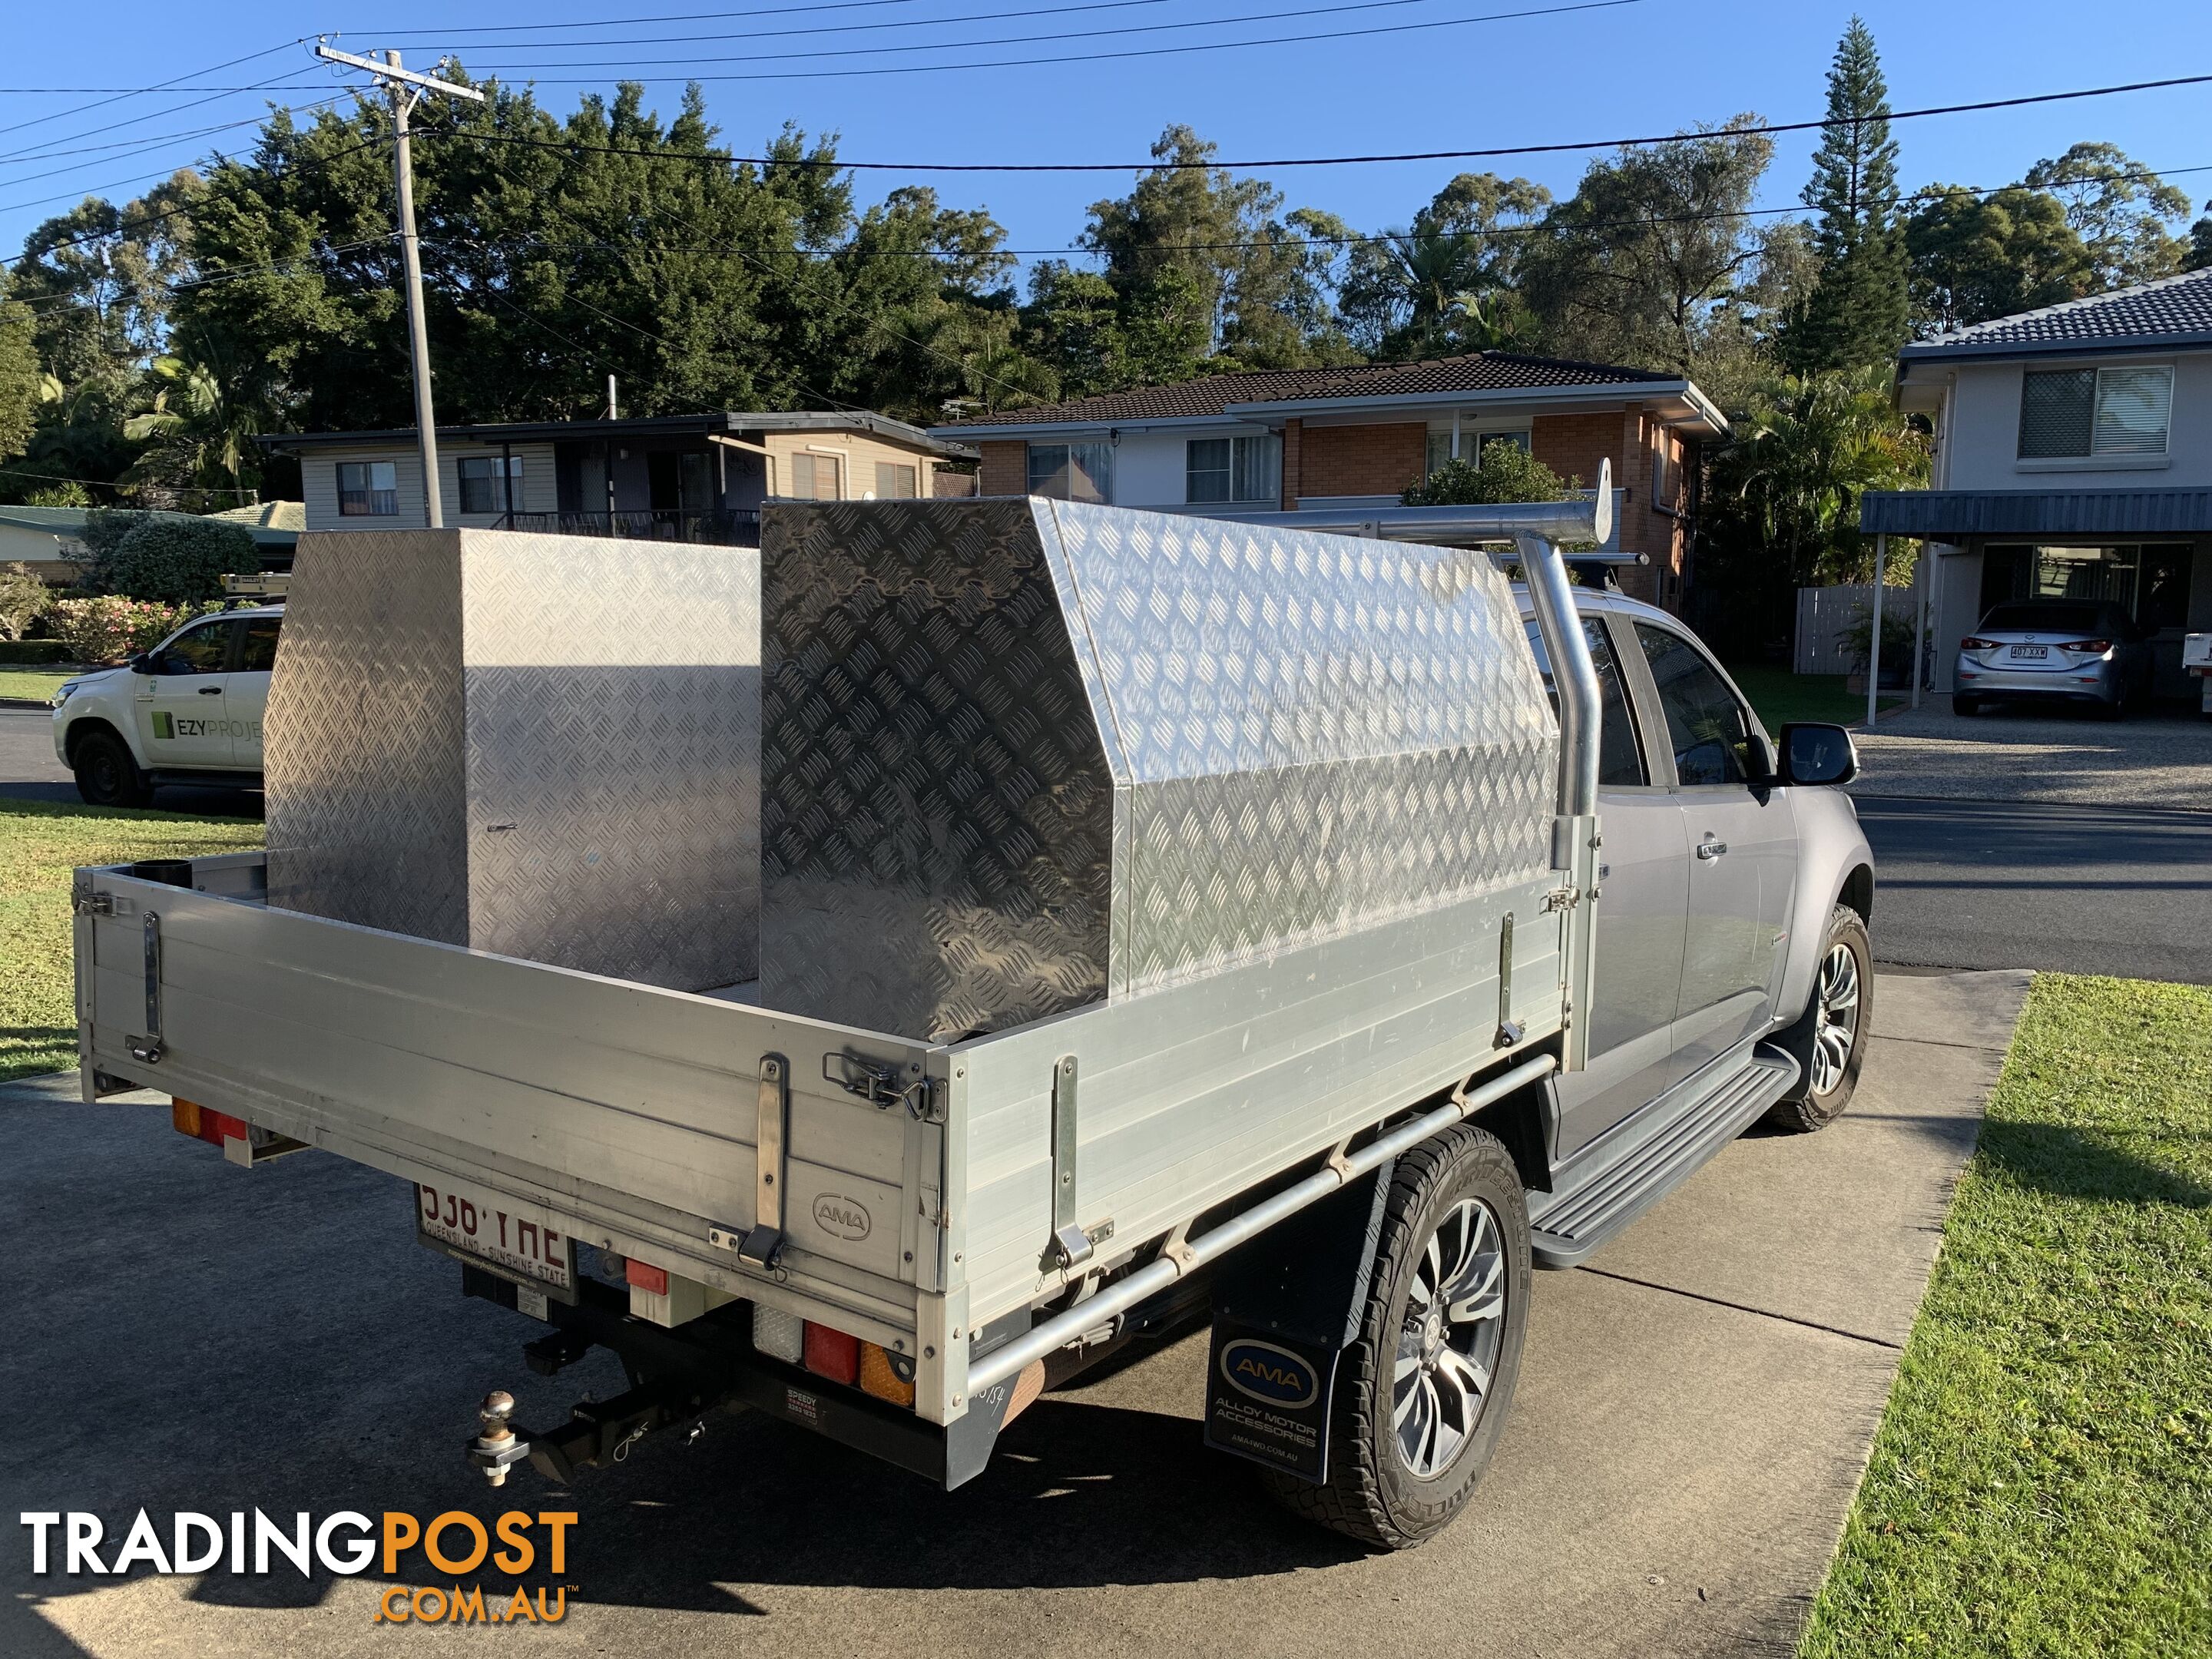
(189, 711)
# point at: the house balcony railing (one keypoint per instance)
(727, 526)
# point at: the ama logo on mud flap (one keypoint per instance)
(1273, 1376)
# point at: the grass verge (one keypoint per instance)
(40, 843)
(1780, 695)
(2042, 1481)
(38, 683)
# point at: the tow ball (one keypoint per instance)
(497, 1447)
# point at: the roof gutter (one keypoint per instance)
(2118, 345)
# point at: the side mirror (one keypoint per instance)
(143, 663)
(1814, 754)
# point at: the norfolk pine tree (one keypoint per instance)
(1859, 314)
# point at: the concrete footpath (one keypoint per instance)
(1694, 1413)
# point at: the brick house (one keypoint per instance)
(1327, 440)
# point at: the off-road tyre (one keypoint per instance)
(1810, 1105)
(1372, 1494)
(106, 775)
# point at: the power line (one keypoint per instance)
(1168, 165)
(112, 483)
(678, 17)
(122, 92)
(1039, 40)
(144, 146)
(831, 28)
(1105, 56)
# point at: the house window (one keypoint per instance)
(1072, 472)
(1234, 469)
(482, 488)
(814, 479)
(894, 482)
(2077, 412)
(1471, 444)
(368, 488)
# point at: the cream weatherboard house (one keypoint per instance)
(1329, 440)
(684, 478)
(2073, 460)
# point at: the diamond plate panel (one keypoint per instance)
(1017, 754)
(937, 815)
(574, 775)
(362, 740)
(1315, 733)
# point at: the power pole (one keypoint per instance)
(407, 89)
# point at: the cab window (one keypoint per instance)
(1619, 765)
(1708, 729)
(202, 650)
(256, 652)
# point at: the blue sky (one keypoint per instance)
(1649, 66)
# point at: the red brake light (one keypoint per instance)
(204, 1122)
(832, 1354)
(645, 1277)
(2087, 647)
(1973, 642)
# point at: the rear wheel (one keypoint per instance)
(1967, 706)
(1422, 1392)
(1829, 1039)
(106, 775)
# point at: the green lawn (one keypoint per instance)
(1780, 696)
(40, 842)
(2042, 1482)
(38, 683)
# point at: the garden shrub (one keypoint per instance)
(111, 628)
(23, 599)
(170, 556)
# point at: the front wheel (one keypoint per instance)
(106, 775)
(1422, 1393)
(1829, 1039)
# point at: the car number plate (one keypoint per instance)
(2030, 653)
(492, 1230)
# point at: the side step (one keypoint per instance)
(1652, 1158)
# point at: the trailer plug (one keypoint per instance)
(497, 1445)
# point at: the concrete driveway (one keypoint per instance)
(2158, 760)
(1694, 1413)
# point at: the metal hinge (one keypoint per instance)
(883, 1086)
(1070, 1243)
(1562, 898)
(149, 1048)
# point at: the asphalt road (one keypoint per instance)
(1694, 1410)
(2084, 889)
(30, 770)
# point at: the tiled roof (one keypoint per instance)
(1479, 371)
(2173, 311)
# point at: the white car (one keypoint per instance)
(188, 711)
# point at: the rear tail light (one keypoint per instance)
(832, 1354)
(203, 1123)
(646, 1276)
(2087, 647)
(778, 1335)
(884, 1376)
(1973, 642)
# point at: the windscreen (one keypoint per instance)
(2044, 618)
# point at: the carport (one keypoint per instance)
(2148, 549)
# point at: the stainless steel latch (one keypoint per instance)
(93, 904)
(764, 1243)
(1070, 1243)
(883, 1086)
(1562, 898)
(149, 1047)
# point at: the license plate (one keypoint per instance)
(2030, 653)
(491, 1230)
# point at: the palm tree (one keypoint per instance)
(197, 438)
(1805, 451)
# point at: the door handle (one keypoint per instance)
(1709, 849)
(210, 690)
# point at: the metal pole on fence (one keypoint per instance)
(1874, 637)
(1920, 618)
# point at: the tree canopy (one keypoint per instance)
(1857, 311)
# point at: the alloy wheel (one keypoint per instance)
(1837, 1026)
(1448, 1339)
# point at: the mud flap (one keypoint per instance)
(1284, 1307)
